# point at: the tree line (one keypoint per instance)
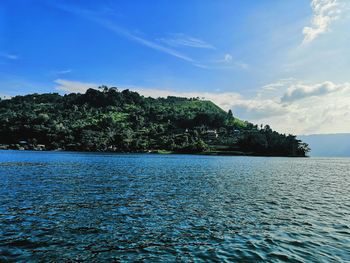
(107, 119)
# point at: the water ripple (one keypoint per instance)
(150, 208)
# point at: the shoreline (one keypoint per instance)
(165, 152)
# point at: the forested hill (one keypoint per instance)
(109, 120)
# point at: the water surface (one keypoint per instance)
(183, 208)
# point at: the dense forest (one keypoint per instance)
(124, 121)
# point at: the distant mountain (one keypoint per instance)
(337, 145)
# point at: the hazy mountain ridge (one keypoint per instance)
(328, 145)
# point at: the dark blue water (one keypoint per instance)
(166, 208)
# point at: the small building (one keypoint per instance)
(41, 147)
(4, 147)
(200, 129)
(212, 134)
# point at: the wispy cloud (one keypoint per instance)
(169, 43)
(241, 65)
(9, 56)
(278, 84)
(227, 62)
(182, 40)
(324, 13)
(71, 86)
(62, 72)
(93, 16)
(148, 43)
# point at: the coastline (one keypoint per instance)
(163, 152)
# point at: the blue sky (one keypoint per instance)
(279, 62)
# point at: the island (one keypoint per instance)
(109, 120)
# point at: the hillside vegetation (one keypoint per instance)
(109, 120)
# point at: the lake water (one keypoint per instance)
(164, 208)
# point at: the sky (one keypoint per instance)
(283, 63)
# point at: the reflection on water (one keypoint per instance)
(104, 207)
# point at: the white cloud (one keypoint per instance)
(321, 107)
(227, 58)
(324, 13)
(311, 108)
(231, 63)
(252, 109)
(302, 91)
(257, 109)
(324, 114)
(70, 86)
(182, 40)
(224, 100)
(5, 96)
(226, 62)
(277, 85)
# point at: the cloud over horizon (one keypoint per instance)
(305, 112)
(302, 91)
(70, 86)
(233, 54)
